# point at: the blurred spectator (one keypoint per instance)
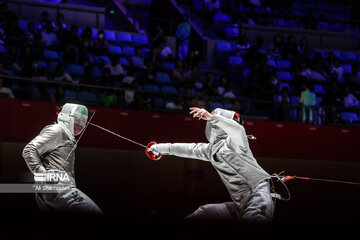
(5, 90)
(48, 36)
(12, 59)
(233, 32)
(100, 44)
(201, 103)
(328, 110)
(106, 79)
(297, 82)
(129, 94)
(137, 60)
(154, 56)
(256, 52)
(282, 106)
(139, 102)
(323, 25)
(189, 102)
(29, 34)
(60, 94)
(157, 37)
(210, 88)
(350, 83)
(86, 47)
(266, 17)
(86, 39)
(308, 100)
(242, 46)
(165, 51)
(179, 74)
(350, 101)
(195, 77)
(224, 88)
(13, 34)
(176, 104)
(252, 80)
(183, 31)
(290, 48)
(115, 67)
(276, 46)
(25, 60)
(252, 17)
(59, 26)
(273, 84)
(44, 74)
(303, 45)
(45, 19)
(305, 71)
(110, 99)
(9, 15)
(338, 69)
(71, 45)
(148, 74)
(128, 79)
(331, 61)
(60, 75)
(190, 61)
(37, 48)
(88, 77)
(318, 74)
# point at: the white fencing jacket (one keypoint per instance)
(229, 153)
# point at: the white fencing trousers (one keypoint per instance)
(259, 208)
(72, 200)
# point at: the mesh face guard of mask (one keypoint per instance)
(213, 132)
(74, 117)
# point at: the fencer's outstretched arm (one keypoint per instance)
(48, 139)
(185, 150)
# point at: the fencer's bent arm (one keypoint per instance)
(185, 150)
(236, 133)
(48, 139)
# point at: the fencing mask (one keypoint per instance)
(74, 117)
(213, 132)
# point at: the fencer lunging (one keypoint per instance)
(53, 151)
(229, 152)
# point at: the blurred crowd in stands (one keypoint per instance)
(334, 80)
(314, 15)
(82, 57)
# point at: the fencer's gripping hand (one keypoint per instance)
(201, 113)
(154, 149)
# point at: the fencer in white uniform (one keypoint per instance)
(53, 151)
(229, 153)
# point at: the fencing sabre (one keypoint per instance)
(150, 154)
